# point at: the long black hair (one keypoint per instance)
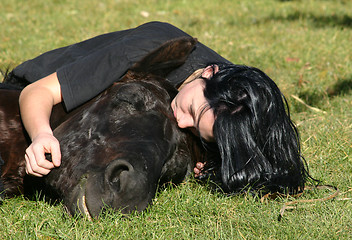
(255, 137)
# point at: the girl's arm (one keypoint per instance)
(36, 102)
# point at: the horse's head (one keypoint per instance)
(114, 151)
(118, 147)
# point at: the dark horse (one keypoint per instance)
(117, 148)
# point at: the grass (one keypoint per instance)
(305, 46)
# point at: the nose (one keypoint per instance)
(185, 121)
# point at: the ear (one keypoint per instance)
(167, 57)
(210, 71)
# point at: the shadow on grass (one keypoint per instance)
(317, 99)
(36, 190)
(344, 21)
(341, 87)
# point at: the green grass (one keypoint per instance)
(305, 46)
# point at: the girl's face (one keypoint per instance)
(191, 109)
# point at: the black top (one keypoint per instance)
(87, 68)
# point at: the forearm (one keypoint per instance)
(35, 106)
(36, 102)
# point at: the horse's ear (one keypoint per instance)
(167, 57)
(12, 81)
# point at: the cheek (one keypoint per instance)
(206, 125)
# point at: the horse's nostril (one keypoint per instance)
(114, 173)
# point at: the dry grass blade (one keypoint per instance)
(288, 205)
(305, 104)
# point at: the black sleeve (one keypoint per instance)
(89, 75)
(87, 68)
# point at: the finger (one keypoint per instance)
(38, 159)
(33, 169)
(200, 165)
(35, 165)
(196, 172)
(29, 169)
(56, 155)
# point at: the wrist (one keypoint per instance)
(42, 132)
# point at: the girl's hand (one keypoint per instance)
(36, 163)
(198, 169)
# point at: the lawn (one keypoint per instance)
(304, 45)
